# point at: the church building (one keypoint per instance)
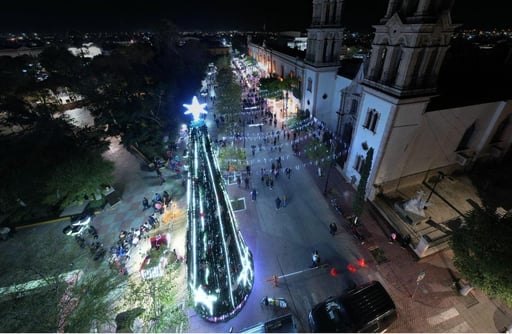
(390, 101)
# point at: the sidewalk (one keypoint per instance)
(433, 305)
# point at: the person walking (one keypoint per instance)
(253, 194)
(288, 171)
(145, 204)
(278, 203)
(333, 228)
(166, 197)
(238, 181)
(316, 259)
(157, 198)
(162, 179)
(246, 180)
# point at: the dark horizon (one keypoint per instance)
(357, 15)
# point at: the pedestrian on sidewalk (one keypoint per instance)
(278, 203)
(288, 172)
(253, 194)
(166, 197)
(246, 180)
(392, 237)
(333, 228)
(238, 181)
(316, 259)
(162, 179)
(145, 204)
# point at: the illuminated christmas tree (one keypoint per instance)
(220, 265)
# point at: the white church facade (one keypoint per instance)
(387, 103)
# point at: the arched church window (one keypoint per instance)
(310, 85)
(371, 121)
(353, 107)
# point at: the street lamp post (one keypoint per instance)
(243, 124)
(286, 105)
(331, 164)
(332, 150)
(438, 179)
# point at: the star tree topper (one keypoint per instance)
(196, 109)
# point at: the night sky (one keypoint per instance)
(275, 15)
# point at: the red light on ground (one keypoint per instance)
(351, 268)
(334, 272)
(361, 262)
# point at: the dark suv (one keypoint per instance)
(367, 308)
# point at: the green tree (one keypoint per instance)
(93, 301)
(161, 300)
(62, 154)
(229, 97)
(124, 95)
(360, 197)
(483, 253)
(16, 74)
(64, 68)
(76, 179)
(276, 87)
(55, 286)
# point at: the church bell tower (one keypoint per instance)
(325, 36)
(409, 47)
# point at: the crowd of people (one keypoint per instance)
(130, 239)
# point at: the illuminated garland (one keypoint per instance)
(284, 157)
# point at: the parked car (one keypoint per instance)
(367, 308)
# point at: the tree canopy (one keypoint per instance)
(133, 92)
(483, 253)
